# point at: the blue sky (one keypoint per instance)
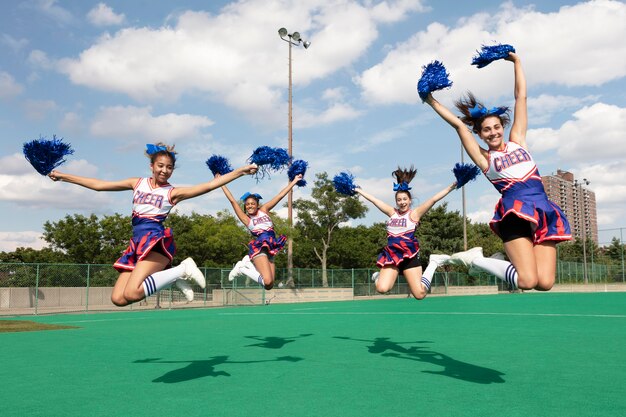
(211, 77)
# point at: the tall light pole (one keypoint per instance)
(292, 39)
(584, 226)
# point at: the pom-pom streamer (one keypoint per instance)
(434, 77)
(344, 183)
(269, 159)
(488, 54)
(219, 165)
(45, 154)
(465, 173)
(298, 167)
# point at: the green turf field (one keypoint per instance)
(525, 355)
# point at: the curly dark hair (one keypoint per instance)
(404, 175)
(467, 102)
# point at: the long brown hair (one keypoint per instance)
(403, 175)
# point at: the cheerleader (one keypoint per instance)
(527, 222)
(146, 265)
(401, 255)
(258, 264)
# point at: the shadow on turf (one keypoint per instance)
(451, 367)
(202, 368)
(271, 342)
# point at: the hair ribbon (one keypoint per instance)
(479, 111)
(403, 186)
(249, 194)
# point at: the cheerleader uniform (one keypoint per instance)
(262, 230)
(514, 174)
(402, 244)
(151, 205)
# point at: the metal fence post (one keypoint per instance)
(37, 290)
(87, 289)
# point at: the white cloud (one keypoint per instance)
(552, 46)
(52, 10)
(8, 86)
(39, 59)
(241, 65)
(13, 43)
(542, 108)
(36, 191)
(606, 181)
(595, 133)
(129, 122)
(103, 15)
(10, 241)
(38, 109)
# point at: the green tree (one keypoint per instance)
(440, 231)
(77, 236)
(319, 218)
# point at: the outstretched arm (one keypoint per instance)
(520, 114)
(418, 212)
(478, 155)
(183, 193)
(94, 183)
(267, 207)
(241, 215)
(381, 205)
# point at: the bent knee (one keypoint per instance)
(119, 300)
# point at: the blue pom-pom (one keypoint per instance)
(434, 77)
(219, 165)
(298, 167)
(488, 54)
(46, 154)
(344, 183)
(269, 159)
(465, 173)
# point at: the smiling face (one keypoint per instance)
(251, 205)
(492, 132)
(162, 168)
(403, 201)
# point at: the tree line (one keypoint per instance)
(323, 237)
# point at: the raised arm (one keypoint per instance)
(381, 205)
(520, 113)
(241, 215)
(478, 155)
(94, 183)
(183, 193)
(418, 212)
(267, 207)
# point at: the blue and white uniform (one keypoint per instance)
(262, 228)
(151, 205)
(514, 174)
(402, 244)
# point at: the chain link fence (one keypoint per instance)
(52, 288)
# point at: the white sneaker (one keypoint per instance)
(247, 261)
(375, 276)
(185, 288)
(439, 259)
(235, 271)
(466, 258)
(192, 273)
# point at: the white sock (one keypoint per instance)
(503, 270)
(162, 279)
(252, 273)
(428, 274)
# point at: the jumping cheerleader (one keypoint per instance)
(401, 255)
(527, 222)
(258, 265)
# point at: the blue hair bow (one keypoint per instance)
(249, 194)
(403, 186)
(479, 111)
(152, 149)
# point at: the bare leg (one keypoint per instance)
(545, 253)
(386, 279)
(128, 289)
(414, 279)
(266, 269)
(522, 255)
